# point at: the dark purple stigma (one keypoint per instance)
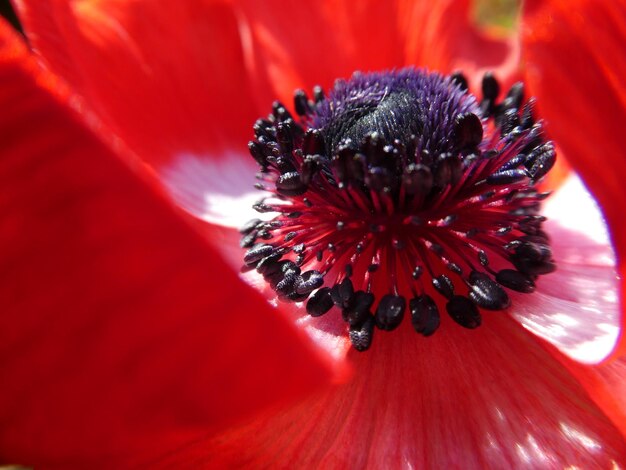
(401, 190)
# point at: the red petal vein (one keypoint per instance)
(120, 329)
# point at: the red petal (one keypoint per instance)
(488, 398)
(606, 385)
(609, 390)
(575, 61)
(167, 77)
(441, 35)
(301, 44)
(121, 331)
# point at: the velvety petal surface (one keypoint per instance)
(606, 385)
(291, 45)
(575, 65)
(122, 333)
(442, 36)
(168, 78)
(488, 398)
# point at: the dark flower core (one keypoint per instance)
(401, 185)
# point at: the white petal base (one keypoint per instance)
(221, 193)
(575, 308)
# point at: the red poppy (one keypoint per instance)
(128, 337)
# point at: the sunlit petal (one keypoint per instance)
(165, 77)
(577, 307)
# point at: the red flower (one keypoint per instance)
(127, 338)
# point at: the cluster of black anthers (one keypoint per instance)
(401, 183)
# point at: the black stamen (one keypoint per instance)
(309, 281)
(486, 293)
(390, 312)
(257, 252)
(424, 315)
(319, 303)
(468, 131)
(459, 79)
(359, 308)
(515, 280)
(464, 312)
(444, 286)
(490, 87)
(401, 185)
(361, 335)
(342, 293)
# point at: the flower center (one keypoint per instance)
(401, 185)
